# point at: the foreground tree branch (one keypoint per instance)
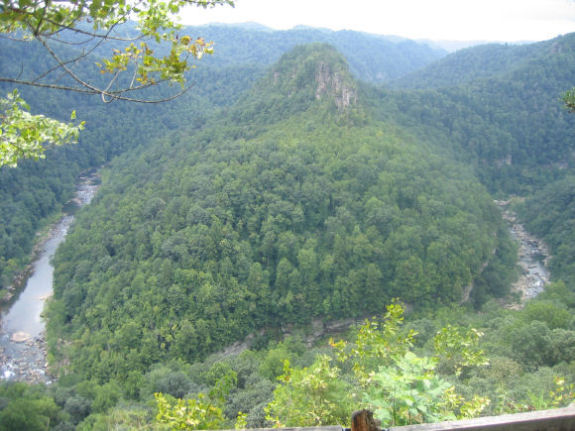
(140, 57)
(22, 135)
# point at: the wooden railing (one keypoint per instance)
(548, 420)
(543, 420)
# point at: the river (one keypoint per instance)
(22, 345)
(533, 257)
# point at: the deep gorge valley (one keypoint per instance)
(297, 184)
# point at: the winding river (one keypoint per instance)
(533, 257)
(22, 346)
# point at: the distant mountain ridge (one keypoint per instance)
(501, 106)
(371, 58)
(483, 61)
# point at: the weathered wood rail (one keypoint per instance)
(543, 420)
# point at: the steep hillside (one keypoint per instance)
(506, 119)
(480, 62)
(295, 205)
(36, 190)
(550, 213)
(500, 109)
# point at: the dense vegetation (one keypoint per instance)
(317, 198)
(371, 58)
(266, 217)
(495, 362)
(504, 117)
(37, 190)
(28, 196)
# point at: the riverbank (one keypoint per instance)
(27, 362)
(88, 184)
(533, 259)
(8, 294)
(22, 344)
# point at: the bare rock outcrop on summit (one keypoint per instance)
(333, 83)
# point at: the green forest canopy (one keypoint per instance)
(286, 209)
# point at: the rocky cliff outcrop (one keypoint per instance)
(333, 84)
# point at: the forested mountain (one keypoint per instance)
(35, 191)
(38, 189)
(500, 107)
(294, 205)
(470, 64)
(503, 116)
(371, 58)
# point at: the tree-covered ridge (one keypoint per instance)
(206, 237)
(372, 58)
(114, 128)
(483, 62)
(511, 126)
(466, 66)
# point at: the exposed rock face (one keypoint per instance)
(307, 74)
(333, 84)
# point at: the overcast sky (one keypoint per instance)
(486, 20)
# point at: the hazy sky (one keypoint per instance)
(497, 20)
